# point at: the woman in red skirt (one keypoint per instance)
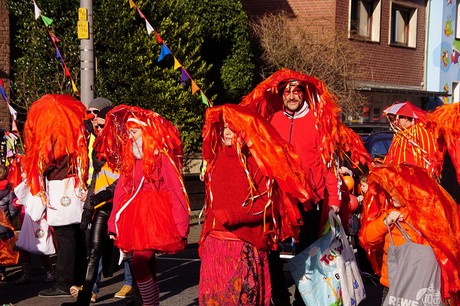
(244, 157)
(150, 206)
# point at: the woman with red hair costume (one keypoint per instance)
(246, 159)
(425, 205)
(150, 207)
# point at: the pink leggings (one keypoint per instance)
(144, 270)
(144, 265)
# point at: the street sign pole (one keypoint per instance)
(85, 34)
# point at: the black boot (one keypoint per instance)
(83, 299)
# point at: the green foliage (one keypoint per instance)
(36, 70)
(209, 38)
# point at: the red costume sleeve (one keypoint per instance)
(180, 207)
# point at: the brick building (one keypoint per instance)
(4, 62)
(391, 35)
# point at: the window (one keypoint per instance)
(403, 26)
(365, 19)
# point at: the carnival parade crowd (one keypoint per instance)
(279, 167)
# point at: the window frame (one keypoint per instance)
(358, 9)
(410, 19)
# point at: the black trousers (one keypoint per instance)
(97, 241)
(71, 256)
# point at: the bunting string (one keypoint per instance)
(48, 21)
(14, 116)
(165, 51)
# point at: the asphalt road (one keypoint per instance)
(178, 275)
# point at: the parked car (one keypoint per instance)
(377, 137)
(378, 143)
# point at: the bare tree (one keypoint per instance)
(331, 57)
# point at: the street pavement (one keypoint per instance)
(178, 276)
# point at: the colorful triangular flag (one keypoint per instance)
(131, 4)
(2, 92)
(67, 72)
(195, 87)
(13, 112)
(14, 127)
(149, 27)
(204, 100)
(159, 39)
(37, 11)
(184, 76)
(140, 13)
(46, 20)
(176, 63)
(54, 38)
(74, 87)
(58, 55)
(164, 51)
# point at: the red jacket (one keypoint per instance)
(300, 131)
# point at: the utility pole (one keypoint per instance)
(85, 34)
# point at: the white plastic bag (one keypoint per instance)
(351, 282)
(36, 237)
(33, 204)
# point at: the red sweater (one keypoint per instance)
(300, 131)
(230, 188)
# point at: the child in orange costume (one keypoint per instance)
(422, 203)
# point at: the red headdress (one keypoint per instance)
(54, 128)
(432, 210)
(273, 155)
(158, 136)
(444, 122)
(266, 100)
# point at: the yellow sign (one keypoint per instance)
(83, 30)
(82, 14)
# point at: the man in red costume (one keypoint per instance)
(296, 123)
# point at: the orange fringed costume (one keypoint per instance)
(265, 100)
(8, 256)
(160, 135)
(54, 128)
(273, 155)
(432, 210)
(416, 146)
(444, 122)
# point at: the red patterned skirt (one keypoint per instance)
(233, 273)
(147, 223)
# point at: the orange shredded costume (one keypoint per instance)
(54, 128)
(415, 146)
(7, 255)
(158, 217)
(265, 100)
(275, 158)
(431, 209)
(444, 122)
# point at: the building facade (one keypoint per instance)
(443, 48)
(4, 62)
(392, 36)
